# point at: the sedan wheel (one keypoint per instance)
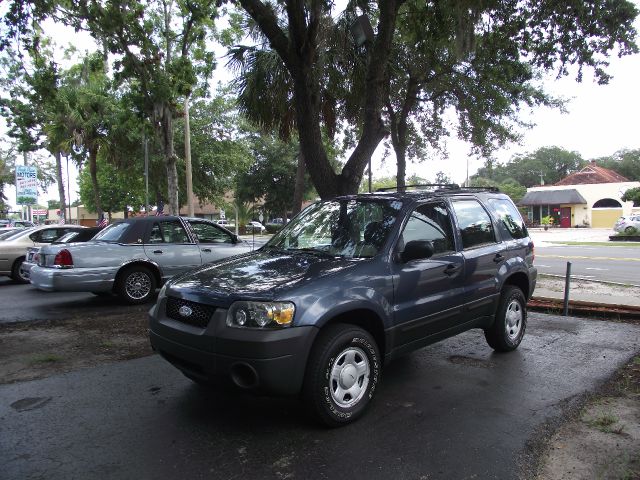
(16, 274)
(136, 285)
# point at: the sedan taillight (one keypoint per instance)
(63, 259)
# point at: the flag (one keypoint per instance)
(160, 209)
(102, 221)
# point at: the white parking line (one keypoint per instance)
(597, 269)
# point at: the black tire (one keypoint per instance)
(630, 229)
(15, 272)
(341, 353)
(136, 285)
(510, 323)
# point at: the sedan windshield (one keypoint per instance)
(346, 228)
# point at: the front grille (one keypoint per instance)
(200, 314)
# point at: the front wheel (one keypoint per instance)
(630, 230)
(136, 285)
(510, 323)
(342, 374)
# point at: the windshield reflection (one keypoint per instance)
(339, 228)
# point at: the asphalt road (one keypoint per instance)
(452, 411)
(614, 264)
(23, 303)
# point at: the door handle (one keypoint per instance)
(207, 250)
(158, 252)
(451, 269)
(498, 258)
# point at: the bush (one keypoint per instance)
(273, 227)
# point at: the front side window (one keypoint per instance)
(510, 219)
(207, 233)
(474, 222)
(346, 228)
(430, 222)
(169, 231)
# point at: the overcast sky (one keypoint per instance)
(600, 120)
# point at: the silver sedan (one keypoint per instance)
(133, 257)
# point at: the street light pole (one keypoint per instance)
(146, 172)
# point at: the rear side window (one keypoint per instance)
(430, 222)
(170, 231)
(475, 224)
(510, 219)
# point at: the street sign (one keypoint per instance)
(26, 185)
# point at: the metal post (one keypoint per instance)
(146, 172)
(369, 174)
(567, 281)
(69, 190)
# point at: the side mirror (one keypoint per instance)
(417, 250)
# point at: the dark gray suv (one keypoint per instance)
(346, 286)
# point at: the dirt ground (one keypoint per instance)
(29, 351)
(599, 441)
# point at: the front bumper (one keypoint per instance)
(72, 279)
(269, 360)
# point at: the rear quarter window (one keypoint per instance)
(511, 222)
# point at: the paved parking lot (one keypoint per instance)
(454, 410)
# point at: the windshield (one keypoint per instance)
(346, 228)
(112, 233)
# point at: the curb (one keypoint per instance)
(573, 277)
(579, 306)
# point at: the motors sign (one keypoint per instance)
(26, 185)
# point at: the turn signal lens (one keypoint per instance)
(63, 259)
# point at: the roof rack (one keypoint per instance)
(442, 186)
(448, 186)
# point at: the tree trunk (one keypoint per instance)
(93, 170)
(165, 125)
(59, 179)
(298, 191)
(297, 49)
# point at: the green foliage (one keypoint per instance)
(549, 163)
(509, 186)
(53, 204)
(119, 187)
(625, 162)
(548, 220)
(632, 195)
(271, 178)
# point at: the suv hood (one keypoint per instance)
(257, 275)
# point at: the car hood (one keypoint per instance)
(260, 274)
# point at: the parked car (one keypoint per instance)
(33, 253)
(132, 257)
(223, 222)
(9, 232)
(630, 224)
(255, 226)
(16, 223)
(346, 286)
(13, 250)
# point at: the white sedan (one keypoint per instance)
(255, 226)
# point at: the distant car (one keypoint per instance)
(255, 226)
(16, 223)
(630, 224)
(33, 253)
(13, 250)
(133, 257)
(223, 222)
(9, 232)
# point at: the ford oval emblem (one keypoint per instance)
(185, 311)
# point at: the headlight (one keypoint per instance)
(261, 314)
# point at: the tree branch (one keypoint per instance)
(268, 23)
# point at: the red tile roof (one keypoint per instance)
(592, 173)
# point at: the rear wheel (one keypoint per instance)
(342, 374)
(16, 274)
(136, 285)
(510, 323)
(630, 230)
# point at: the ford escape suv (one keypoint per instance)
(346, 286)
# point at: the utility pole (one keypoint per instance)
(146, 172)
(187, 158)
